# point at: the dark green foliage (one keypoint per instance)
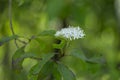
(95, 57)
(17, 59)
(66, 72)
(49, 72)
(82, 57)
(37, 68)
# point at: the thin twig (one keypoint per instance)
(10, 19)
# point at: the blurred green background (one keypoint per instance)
(100, 19)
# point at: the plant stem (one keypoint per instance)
(10, 19)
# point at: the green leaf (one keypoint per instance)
(19, 56)
(79, 55)
(17, 59)
(6, 39)
(96, 60)
(46, 71)
(31, 55)
(66, 72)
(36, 69)
(56, 73)
(47, 33)
(33, 74)
(49, 71)
(17, 64)
(82, 57)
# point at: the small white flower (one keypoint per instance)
(71, 33)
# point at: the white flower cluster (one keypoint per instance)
(71, 33)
